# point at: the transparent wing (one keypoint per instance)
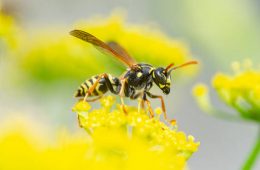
(112, 48)
(121, 51)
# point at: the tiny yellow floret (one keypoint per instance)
(81, 106)
(200, 90)
(158, 111)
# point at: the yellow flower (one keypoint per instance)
(200, 90)
(55, 55)
(133, 139)
(241, 91)
(9, 32)
(24, 146)
(115, 141)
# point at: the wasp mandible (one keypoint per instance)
(134, 83)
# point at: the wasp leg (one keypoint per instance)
(162, 103)
(92, 88)
(150, 108)
(141, 105)
(95, 99)
(121, 94)
(148, 104)
(140, 102)
(92, 100)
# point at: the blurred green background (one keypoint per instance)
(215, 32)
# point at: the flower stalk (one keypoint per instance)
(254, 154)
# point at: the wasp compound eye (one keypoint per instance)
(166, 90)
(159, 76)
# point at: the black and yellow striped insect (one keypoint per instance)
(134, 83)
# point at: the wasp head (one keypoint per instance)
(162, 76)
(162, 79)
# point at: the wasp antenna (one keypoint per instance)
(184, 64)
(168, 67)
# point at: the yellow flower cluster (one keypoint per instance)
(115, 141)
(132, 140)
(23, 147)
(240, 91)
(55, 55)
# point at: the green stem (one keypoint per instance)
(249, 163)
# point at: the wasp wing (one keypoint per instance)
(114, 50)
(121, 51)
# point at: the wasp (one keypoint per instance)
(134, 83)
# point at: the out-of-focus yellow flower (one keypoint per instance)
(9, 32)
(200, 90)
(10, 38)
(241, 91)
(22, 147)
(55, 55)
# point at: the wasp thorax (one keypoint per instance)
(162, 79)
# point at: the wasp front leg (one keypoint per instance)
(162, 103)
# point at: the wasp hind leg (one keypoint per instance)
(91, 100)
(93, 87)
(89, 92)
(162, 103)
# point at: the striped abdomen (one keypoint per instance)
(84, 87)
(104, 84)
